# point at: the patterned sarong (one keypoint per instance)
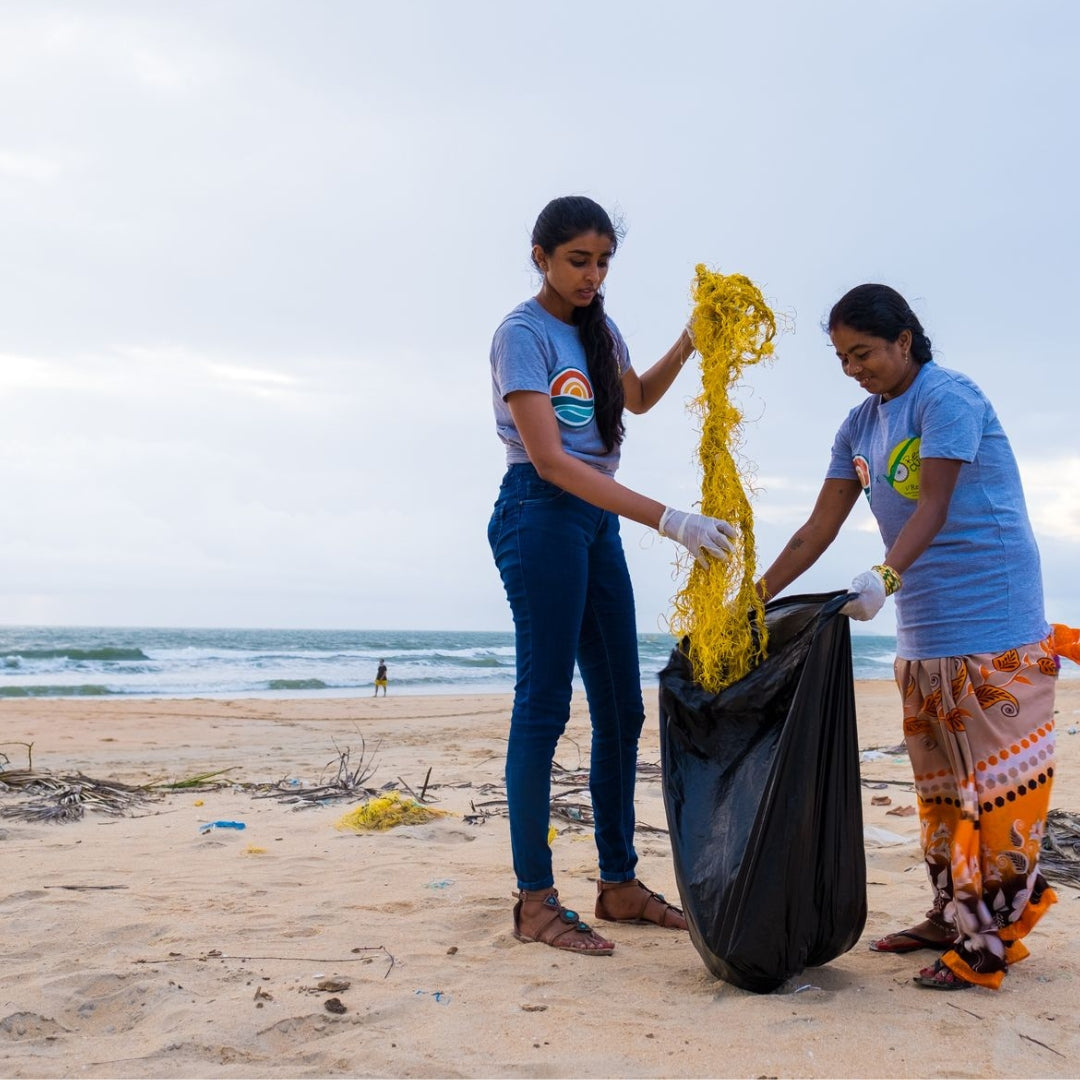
(980, 734)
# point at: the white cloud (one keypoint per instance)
(25, 166)
(254, 253)
(1053, 496)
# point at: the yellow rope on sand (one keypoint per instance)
(385, 812)
(718, 608)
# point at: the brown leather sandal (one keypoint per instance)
(640, 905)
(563, 928)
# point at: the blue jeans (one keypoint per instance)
(563, 567)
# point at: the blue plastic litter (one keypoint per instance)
(222, 825)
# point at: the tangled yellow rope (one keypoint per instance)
(718, 608)
(386, 812)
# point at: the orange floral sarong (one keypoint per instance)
(980, 733)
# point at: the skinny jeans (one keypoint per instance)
(562, 564)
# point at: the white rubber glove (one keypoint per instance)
(702, 536)
(871, 589)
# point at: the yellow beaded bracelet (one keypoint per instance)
(891, 578)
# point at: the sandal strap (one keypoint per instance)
(654, 908)
(562, 921)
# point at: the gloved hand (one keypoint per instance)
(688, 329)
(702, 536)
(871, 589)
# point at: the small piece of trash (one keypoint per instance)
(442, 883)
(334, 1005)
(902, 811)
(438, 995)
(872, 755)
(877, 837)
(334, 986)
(805, 986)
(221, 825)
(881, 800)
(1072, 730)
(534, 1008)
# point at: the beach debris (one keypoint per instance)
(423, 790)
(334, 1005)
(59, 799)
(442, 883)
(85, 888)
(880, 800)
(902, 811)
(439, 996)
(334, 986)
(569, 790)
(877, 837)
(199, 782)
(718, 611)
(387, 812)
(251, 849)
(1030, 1039)
(217, 954)
(1059, 859)
(349, 781)
(5, 761)
(221, 825)
(883, 753)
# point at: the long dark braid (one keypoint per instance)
(560, 221)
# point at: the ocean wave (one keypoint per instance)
(108, 653)
(86, 690)
(296, 684)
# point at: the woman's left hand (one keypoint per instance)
(870, 587)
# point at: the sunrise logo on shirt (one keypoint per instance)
(572, 397)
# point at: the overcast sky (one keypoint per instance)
(252, 255)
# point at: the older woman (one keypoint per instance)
(976, 661)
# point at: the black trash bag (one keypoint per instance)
(763, 800)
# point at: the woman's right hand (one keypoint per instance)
(702, 536)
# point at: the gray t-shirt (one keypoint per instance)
(978, 586)
(533, 350)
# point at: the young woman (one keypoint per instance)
(976, 665)
(561, 378)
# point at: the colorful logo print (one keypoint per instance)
(572, 397)
(904, 465)
(862, 471)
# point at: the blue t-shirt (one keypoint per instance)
(533, 350)
(978, 586)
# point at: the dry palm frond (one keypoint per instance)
(66, 798)
(1059, 859)
(347, 783)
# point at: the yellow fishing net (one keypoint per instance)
(385, 812)
(718, 607)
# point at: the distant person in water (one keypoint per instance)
(380, 678)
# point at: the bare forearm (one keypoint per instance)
(834, 503)
(915, 536)
(651, 386)
(601, 490)
(801, 552)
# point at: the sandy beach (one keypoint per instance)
(148, 945)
